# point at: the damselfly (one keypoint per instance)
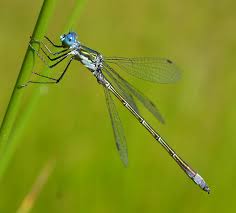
(157, 70)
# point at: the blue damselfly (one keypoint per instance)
(154, 69)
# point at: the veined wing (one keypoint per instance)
(154, 69)
(128, 88)
(117, 128)
(121, 88)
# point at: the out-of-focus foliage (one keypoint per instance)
(71, 124)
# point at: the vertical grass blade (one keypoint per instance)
(26, 68)
(79, 5)
(22, 120)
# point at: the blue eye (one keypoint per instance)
(69, 39)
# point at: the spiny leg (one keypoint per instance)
(59, 46)
(46, 47)
(54, 59)
(53, 80)
(54, 53)
(64, 72)
(61, 57)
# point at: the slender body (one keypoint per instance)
(186, 168)
(97, 62)
(161, 71)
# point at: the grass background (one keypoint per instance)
(71, 126)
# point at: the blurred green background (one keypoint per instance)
(70, 124)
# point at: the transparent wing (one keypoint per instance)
(154, 69)
(128, 88)
(121, 88)
(117, 128)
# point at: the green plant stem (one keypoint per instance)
(27, 65)
(33, 102)
(14, 137)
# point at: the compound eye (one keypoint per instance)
(62, 37)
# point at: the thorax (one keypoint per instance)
(89, 58)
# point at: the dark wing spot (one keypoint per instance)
(152, 103)
(169, 61)
(118, 146)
